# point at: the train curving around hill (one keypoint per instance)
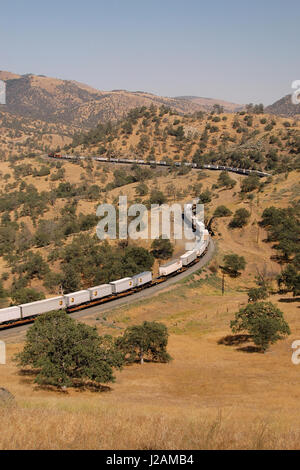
(97, 295)
(132, 161)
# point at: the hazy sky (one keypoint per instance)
(240, 51)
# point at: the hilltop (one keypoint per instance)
(284, 107)
(76, 104)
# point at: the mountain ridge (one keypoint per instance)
(74, 103)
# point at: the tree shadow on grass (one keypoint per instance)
(91, 386)
(28, 374)
(78, 387)
(236, 340)
(278, 259)
(290, 300)
(233, 340)
(250, 349)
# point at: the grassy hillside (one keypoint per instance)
(246, 140)
(211, 396)
(21, 136)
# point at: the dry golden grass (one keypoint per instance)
(99, 429)
(211, 396)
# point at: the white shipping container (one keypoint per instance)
(77, 298)
(200, 248)
(142, 278)
(170, 267)
(121, 285)
(188, 257)
(42, 306)
(100, 291)
(200, 227)
(10, 313)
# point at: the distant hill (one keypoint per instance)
(208, 103)
(76, 104)
(284, 107)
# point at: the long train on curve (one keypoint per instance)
(241, 171)
(25, 313)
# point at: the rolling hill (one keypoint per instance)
(284, 107)
(76, 104)
(209, 103)
(244, 140)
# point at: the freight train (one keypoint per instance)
(241, 171)
(25, 313)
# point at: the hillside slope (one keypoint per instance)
(245, 140)
(284, 107)
(73, 103)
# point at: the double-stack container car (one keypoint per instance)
(42, 306)
(121, 285)
(99, 292)
(171, 267)
(77, 298)
(10, 313)
(142, 279)
(188, 257)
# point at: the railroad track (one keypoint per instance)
(132, 297)
(193, 166)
